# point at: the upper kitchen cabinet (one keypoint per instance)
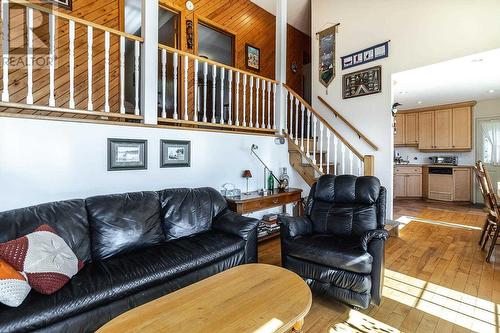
(406, 129)
(439, 128)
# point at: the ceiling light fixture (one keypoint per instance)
(491, 91)
(419, 102)
(403, 92)
(477, 60)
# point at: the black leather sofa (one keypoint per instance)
(338, 246)
(136, 248)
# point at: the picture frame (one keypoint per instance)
(252, 57)
(361, 83)
(127, 154)
(175, 154)
(373, 53)
(66, 4)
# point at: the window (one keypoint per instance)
(490, 131)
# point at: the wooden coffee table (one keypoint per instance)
(253, 298)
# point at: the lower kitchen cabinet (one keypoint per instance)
(407, 182)
(462, 184)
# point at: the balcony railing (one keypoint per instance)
(87, 77)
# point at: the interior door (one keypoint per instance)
(484, 153)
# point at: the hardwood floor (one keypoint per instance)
(436, 277)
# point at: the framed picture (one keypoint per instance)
(175, 154)
(66, 4)
(370, 54)
(252, 56)
(125, 154)
(364, 82)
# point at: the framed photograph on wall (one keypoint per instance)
(364, 82)
(175, 154)
(252, 57)
(66, 4)
(126, 154)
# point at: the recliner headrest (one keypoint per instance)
(347, 189)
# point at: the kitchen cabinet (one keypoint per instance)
(408, 182)
(399, 134)
(462, 184)
(440, 128)
(462, 128)
(426, 130)
(406, 129)
(443, 122)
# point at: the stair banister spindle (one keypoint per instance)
(122, 77)
(205, 85)
(5, 49)
(163, 83)
(237, 106)
(321, 127)
(297, 121)
(222, 75)
(335, 155)
(52, 57)
(244, 100)
(106, 71)
(175, 61)
(263, 104)
(29, 57)
(250, 122)
(268, 104)
(137, 52)
(90, 42)
(274, 105)
(328, 137)
(302, 109)
(285, 125)
(186, 87)
(308, 152)
(342, 147)
(230, 97)
(358, 163)
(290, 110)
(257, 90)
(315, 126)
(71, 59)
(195, 99)
(214, 91)
(351, 162)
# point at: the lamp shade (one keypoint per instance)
(247, 174)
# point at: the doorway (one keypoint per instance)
(488, 149)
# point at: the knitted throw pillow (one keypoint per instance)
(44, 257)
(13, 285)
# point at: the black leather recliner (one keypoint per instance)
(136, 247)
(337, 247)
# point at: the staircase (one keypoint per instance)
(315, 148)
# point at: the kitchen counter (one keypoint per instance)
(433, 165)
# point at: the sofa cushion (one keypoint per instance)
(115, 278)
(186, 212)
(121, 223)
(332, 251)
(67, 218)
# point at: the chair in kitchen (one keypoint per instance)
(490, 229)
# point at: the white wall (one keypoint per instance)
(421, 33)
(43, 161)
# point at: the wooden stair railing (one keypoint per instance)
(251, 98)
(315, 147)
(93, 87)
(351, 126)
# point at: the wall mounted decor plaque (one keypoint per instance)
(364, 82)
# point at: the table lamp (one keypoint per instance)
(247, 174)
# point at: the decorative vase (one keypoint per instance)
(284, 180)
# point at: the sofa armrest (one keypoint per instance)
(235, 224)
(369, 235)
(294, 226)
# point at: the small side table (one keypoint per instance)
(255, 201)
